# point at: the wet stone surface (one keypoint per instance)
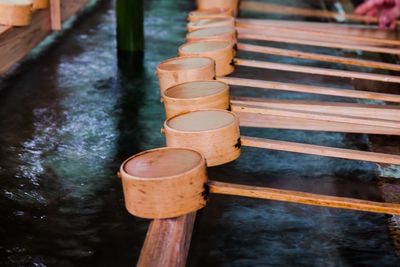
(68, 118)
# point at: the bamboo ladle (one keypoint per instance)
(196, 68)
(219, 51)
(356, 37)
(366, 33)
(216, 135)
(271, 31)
(229, 33)
(181, 70)
(170, 182)
(197, 95)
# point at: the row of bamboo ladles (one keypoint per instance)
(203, 129)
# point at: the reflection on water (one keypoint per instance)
(68, 122)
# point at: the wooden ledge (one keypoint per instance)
(16, 42)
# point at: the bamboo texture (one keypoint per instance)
(303, 198)
(318, 71)
(309, 89)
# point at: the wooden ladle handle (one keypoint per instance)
(302, 198)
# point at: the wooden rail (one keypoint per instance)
(16, 42)
(167, 242)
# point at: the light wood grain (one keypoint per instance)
(167, 242)
(344, 30)
(15, 13)
(215, 133)
(327, 38)
(318, 71)
(307, 12)
(183, 69)
(317, 35)
(290, 123)
(221, 52)
(315, 116)
(293, 87)
(40, 4)
(319, 57)
(163, 183)
(303, 198)
(16, 42)
(232, 5)
(55, 15)
(281, 38)
(320, 150)
(339, 108)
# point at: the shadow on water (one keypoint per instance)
(69, 118)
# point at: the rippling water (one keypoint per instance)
(67, 120)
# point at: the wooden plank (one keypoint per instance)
(290, 123)
(315, 116)
(337, 108)
(303, 198)
(320, 150)
(16, 42)
(317, 35)
(319, 57)
(307, 12)
(309, 89)
(281, 38)
(167, 242)
(318, 71)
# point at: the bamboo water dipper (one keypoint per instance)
(349, 33)
(198, 95)
(184, 69)
(223, 54)
(216, 135)
(285, 35)
(196, 68)
(316, 34)
(228, 33)
(171, 182)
